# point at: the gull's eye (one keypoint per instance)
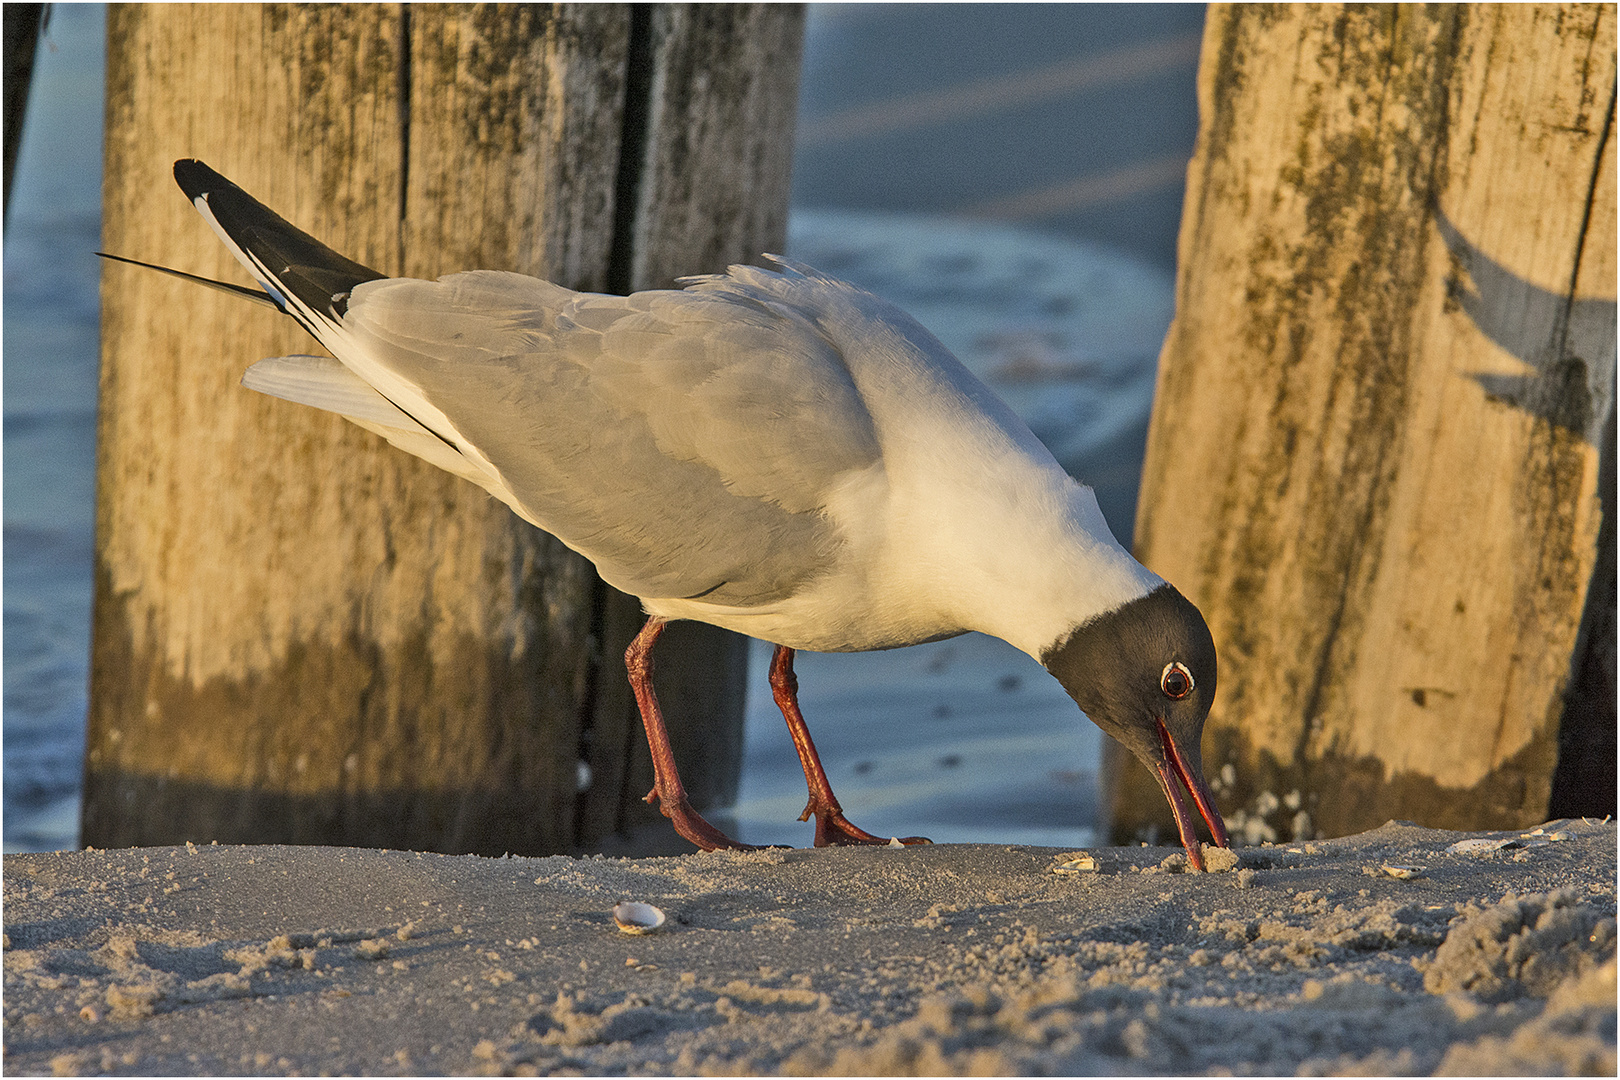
(1177, 681)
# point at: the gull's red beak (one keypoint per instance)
(1173, 767)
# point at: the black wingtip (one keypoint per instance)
(299, 265)
(196, 179)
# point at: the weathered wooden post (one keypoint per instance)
(300, 634)
(1375, 454)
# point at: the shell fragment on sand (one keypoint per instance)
(1479, 845)
(634, 917)
(1079, 864)
(1484, 845)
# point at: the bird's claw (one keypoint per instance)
(693, 826)
(834, 829)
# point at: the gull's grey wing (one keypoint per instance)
(685, 441)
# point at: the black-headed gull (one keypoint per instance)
(772, 451)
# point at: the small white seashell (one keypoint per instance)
(634, 917)
(1478, 845)
(894, 841)
(1405, 873)
(1075, 865)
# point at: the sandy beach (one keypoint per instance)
(1402, 950)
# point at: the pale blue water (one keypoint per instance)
(963, 740)
(49, 341)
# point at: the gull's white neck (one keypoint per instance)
(981, 527)
(1023, 554)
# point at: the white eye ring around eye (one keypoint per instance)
(1176, 681)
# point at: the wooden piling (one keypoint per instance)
(302, 635)
(1375, 452)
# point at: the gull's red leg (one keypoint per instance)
(668, 791)
(831, 825)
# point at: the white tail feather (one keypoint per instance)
(324, 383)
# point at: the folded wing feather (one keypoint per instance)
(685, 441)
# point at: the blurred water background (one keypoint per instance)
(51, 309)
(1011, 175)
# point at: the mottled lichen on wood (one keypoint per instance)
(1308, 384)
